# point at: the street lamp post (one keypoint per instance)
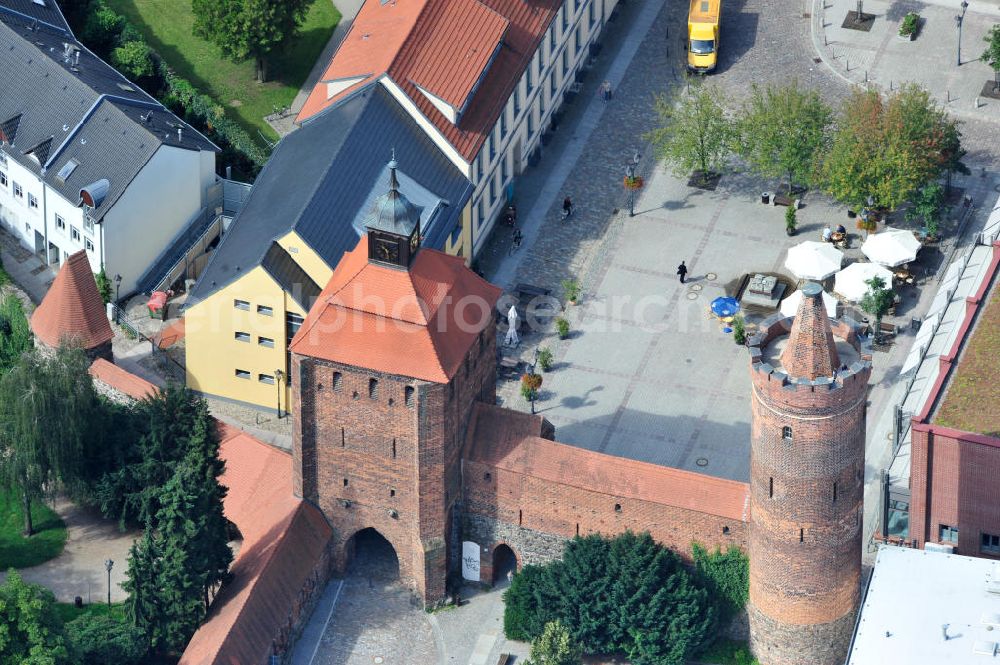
(108, 565)
(118, 286)
(278, 376)
(630, 178)
(958, 20)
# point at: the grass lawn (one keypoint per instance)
(68, 611)
(16, 551)
(970, 403)
(168, 26)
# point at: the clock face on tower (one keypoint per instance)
(387, 250)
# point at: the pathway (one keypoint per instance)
(79, 570)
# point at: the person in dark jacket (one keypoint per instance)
(682, 271)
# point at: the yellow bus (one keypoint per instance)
(703, 35)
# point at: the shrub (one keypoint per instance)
(102, 29)
(134, 59)
(626, 595)
(104, 285)
(739, 330)
(562, 326)
(571, 289)
(726, 575)
(909, 24)
(555, 646)
(101, 639)
(530, 383)
(790, 218)
(545, 359)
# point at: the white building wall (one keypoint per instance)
(563, 51)
(154, 208)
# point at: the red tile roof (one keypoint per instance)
(73, 309)
(418, 323)
(121, 380)
(283, 540)
(443, 48)
(509, 440)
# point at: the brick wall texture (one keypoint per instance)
(806, 491)
(953, 482)
(376, 460)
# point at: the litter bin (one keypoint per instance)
(765, 197)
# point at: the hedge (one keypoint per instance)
(106, 31)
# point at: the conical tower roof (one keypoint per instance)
(392, 212)
(810, 351)
(72, 308)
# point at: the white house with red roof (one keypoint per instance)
(483, 78)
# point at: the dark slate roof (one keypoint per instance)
(321, 177)
(280, 265)
(82, 107)
(46, 12)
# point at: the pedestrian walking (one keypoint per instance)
(510, 576)
(567, 207)
(606, 91)
(682, 271)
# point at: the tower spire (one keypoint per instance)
(810, 352)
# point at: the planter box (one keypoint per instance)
(907, 38)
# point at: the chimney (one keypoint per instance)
(76, 57)
(180, 135)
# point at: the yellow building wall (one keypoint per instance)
(463, 244)
(213, 353)
(307, 259)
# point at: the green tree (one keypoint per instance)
(15, 332)
(249, 28)
(876, 302)
(104, 285)
(991, 56)
(102, 28)
(726, 575)
(100, 639)
(134, 59)
(623, 595)
(927, 205)
(143, 608)
(31, 632)
(46, 407)
(694, 133)
(554, 646)
(782, 130)
(887, 149)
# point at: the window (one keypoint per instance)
(18, 191)
(503, 123)
(531, 123)
(394, 449)
(74, 233)
(552, 85)
(786, 433)
(565, 19)
(990, 544)
(565, 63)
(242, 374)
(338, 380)
(493, 147)
(770, 488)
(60, 223)
(479, 167)
(67, 170)
(577, 42)
(373, 388)
(480, 212)
(242, 337)
(948, 534)
(88, 224)
(618, 507)
(89, 245)
(802, 535)
(292, 324)
(3, 178)
(345, 482)
(517, 99)
(592, 15)
(265, 310)
(552, 39)
(392, 492)
(408, 396)
(503, 170)
(265, 342)
(241, 304)
(493, 191)
(529, 76)
(266, 378)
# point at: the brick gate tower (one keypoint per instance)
(386, 368)
(810, 385)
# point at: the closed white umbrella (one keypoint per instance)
(512, 339)
(851, 281)
(814, 260)
(790, 305)
(891, 248)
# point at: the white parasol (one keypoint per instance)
(790, 305)
(851, 281)
(512, 339)
(891, 248)
(814, 260)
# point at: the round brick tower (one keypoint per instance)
(810, 384)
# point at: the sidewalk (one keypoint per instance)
(348, 10)
(880, 57)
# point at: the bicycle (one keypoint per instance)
(516, 242)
